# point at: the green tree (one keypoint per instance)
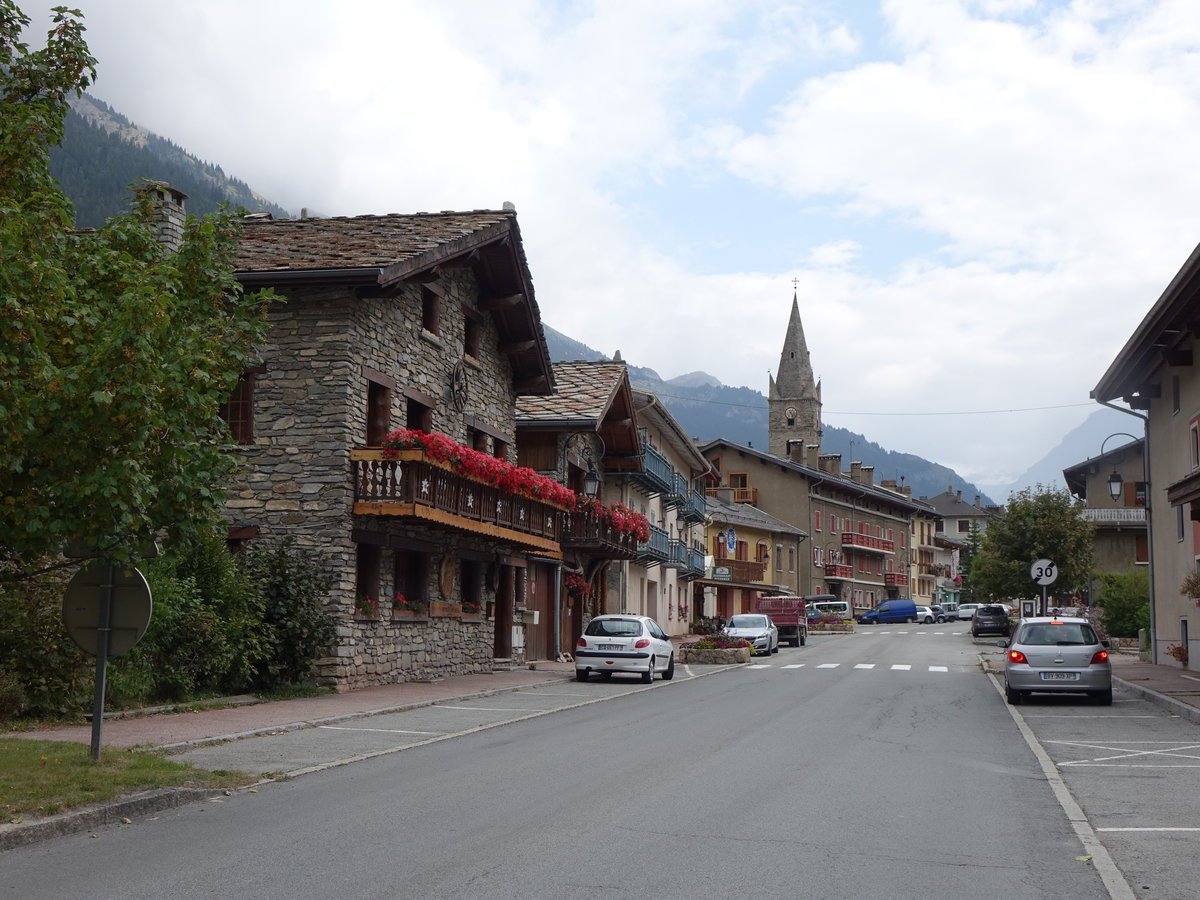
(115, 352)
(966, 558)
(1040, 523)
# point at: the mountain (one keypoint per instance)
(708, 410)
(1081, 443)
(103, 153)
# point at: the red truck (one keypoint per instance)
(790, 616)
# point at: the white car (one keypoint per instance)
(966, 611)
(756, 628)
(926, 615)
(624, 644)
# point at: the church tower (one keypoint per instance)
(794, 400)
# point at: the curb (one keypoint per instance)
(109, 813)
(1176, 707)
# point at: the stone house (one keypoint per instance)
(425, 322)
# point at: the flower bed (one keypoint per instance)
(716, 650)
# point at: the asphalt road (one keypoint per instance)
(883, 764)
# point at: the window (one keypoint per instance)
(499, 449)
(410, 570)
(818, 556)
(418, 414)
(367, 572)
(779, 557)
(1179, 532)
(379, 412)
(964, 526)
(1141, 550)
(431, 308)
(817, 520)
(471, 572)
(791, 559)
(472, 334)
(238, 410)
(1194, 440)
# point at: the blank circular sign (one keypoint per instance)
(83, 607)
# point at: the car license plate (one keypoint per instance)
(608, 646)
(1060, 676)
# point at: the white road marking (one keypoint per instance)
(939, 668)
(865, 666)
(901, 668)
(1148, 829)
(1174, 751)
(381, 730)
(795, 666)
(828, 665)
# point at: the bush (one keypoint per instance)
(12, 697)
(1125, 602)
(55, 678)
(297, 629)
(718, 642)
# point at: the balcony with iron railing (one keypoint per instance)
(656, 550)
(867, 542)
(411, 486)
(676, 554)
(695, 509)
(677, 496)
(657, 475)
(695, 563)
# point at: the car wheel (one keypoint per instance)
(582, 674)
(670, 672)
(803, 639)
(1013, 697)
(929, 620)
(941, 620)
(1102, 698)
(648, 675)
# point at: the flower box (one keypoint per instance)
(729, 657)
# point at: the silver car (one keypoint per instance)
(1057, 655)
(756, 628)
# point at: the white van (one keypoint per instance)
(822, 605)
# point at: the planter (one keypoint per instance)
(715, 657)
(836, 627)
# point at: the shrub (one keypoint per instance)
(718, 641)
(1125, 603)
(297, 628)
(12, 697)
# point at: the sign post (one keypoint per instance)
(1043, 572)
(106, 611)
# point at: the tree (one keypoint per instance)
(966, 558)
(1040, 523)
(1125, 602)
(115, 352)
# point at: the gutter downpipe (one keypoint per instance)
(1149, 518)
(558, 609)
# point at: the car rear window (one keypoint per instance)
(1049, 634)
(614, 628)
(748, 622)
(990, 611)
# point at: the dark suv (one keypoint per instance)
(990, 619)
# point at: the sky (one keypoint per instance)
(975, 202)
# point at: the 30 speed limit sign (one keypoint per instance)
(1043, 572)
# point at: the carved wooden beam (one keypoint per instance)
(517, 347)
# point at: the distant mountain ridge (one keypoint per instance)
(707, 410)
(103, 153)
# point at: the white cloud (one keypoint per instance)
(988, 194)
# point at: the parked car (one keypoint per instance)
(1057, 655)
(926, 615)
(624, 644)
(947, 613)
(966, 611)
(990, 618)
(756, 628)
(890, 612)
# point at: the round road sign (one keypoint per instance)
(83, 607)
(1043, 572)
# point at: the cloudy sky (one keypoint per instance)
(975, 201)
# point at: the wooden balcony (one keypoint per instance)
(737, 494)
(867, 542)
(838, 572)
(586, 533)
(743, 570)
(897, 579)
(414, 487)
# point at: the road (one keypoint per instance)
(880, 764)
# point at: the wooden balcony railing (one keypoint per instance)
(412, 486)
(867, 542)
(585, 532)
(838, 571)
(737, 494)
(743, 569)
(895, 578)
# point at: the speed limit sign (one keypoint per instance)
(1043, 572)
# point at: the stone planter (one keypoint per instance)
(836, 628)
(715, 657)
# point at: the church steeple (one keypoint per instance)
(794, 398)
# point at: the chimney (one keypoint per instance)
(960, 496)
(855, 470)
(976, 499)
(169, 216)
(795, 451)
(830, 462)
(868, 475)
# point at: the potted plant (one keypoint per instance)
(366, 606)
(1180, 652)
(407, 607)
(1191, 587)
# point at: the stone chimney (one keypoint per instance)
(960, 496)
(868, 475)
(855, 470)
(169, 216)
(830, 462)
(795, 451)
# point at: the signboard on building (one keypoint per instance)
(722, 573)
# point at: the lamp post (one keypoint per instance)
(591, 478)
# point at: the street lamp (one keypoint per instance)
(1115, 482)
(591, 479)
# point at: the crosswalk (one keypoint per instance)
(895, 667)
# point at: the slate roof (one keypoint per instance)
(721, 510)
(272, 245)
(586, 392)
(378, 254)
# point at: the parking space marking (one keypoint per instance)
(1118, 748)
(1148, 829)
(482, 708)
(380, 730)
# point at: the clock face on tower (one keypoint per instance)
(790, 412)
